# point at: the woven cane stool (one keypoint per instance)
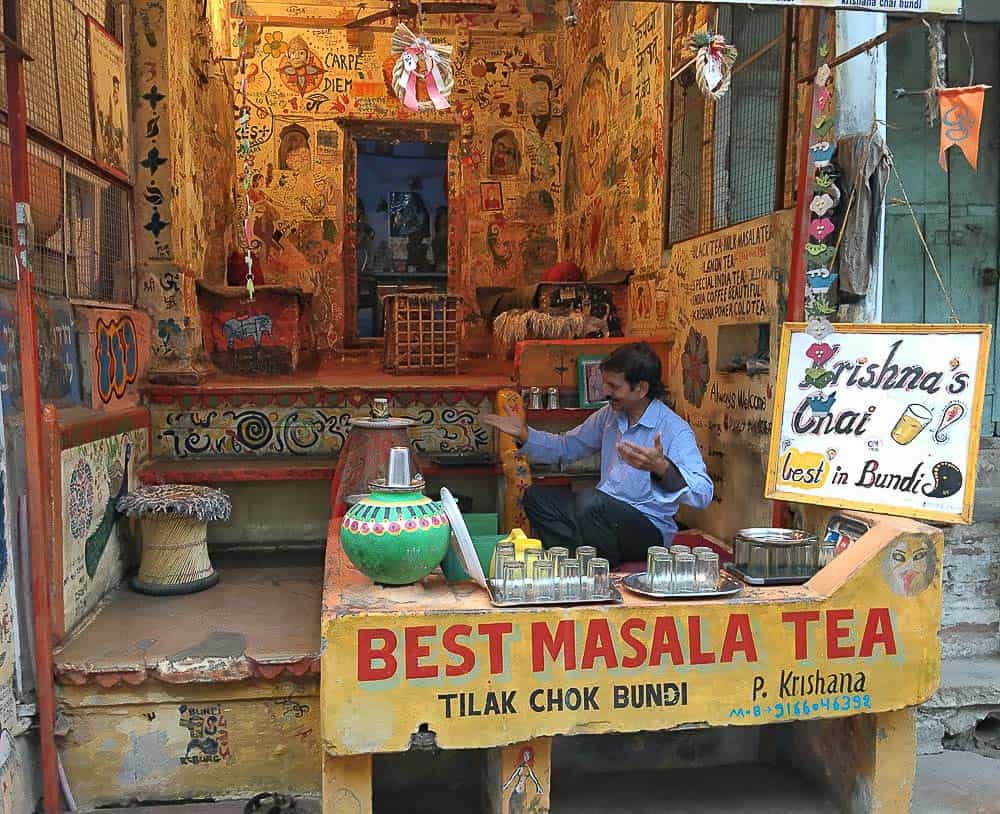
(174, 520)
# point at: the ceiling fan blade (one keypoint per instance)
(363, 22)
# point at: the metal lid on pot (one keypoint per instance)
(776, 536)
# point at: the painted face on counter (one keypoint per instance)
(910, 564)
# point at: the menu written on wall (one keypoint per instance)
(883, 418)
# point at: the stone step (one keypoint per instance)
(968, 693)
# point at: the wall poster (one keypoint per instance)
(883, 418)
(112, 147)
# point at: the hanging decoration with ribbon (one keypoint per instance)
(823, 239)
(421, 66)
(713, 63)
(961, 119)
(244, 147)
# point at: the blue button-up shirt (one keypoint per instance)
(603, 430)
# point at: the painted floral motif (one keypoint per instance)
(695, 364)
(81, 499)
(274, 44)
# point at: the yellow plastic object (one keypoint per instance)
(521, 542)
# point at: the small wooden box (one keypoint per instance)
(422, 333)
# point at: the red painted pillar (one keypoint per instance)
(27, 334)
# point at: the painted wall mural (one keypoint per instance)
(184, 173)
(507, 115)
(115, 351)
(58, 360)
(446, 423)
(94, 476)
(613, 151)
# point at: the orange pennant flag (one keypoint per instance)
(961, 116)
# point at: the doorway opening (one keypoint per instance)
(401, 224)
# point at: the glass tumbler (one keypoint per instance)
(542, 582)
(584, 553)
(684, 573)
(706, 570)
(661, 572)
(758, 566)
(531, 556)
(513, 581)
(500, 553)
(599, 576)
(570, 579)
(827, 551)
(653, 549)
(557, 554)
(679, 549)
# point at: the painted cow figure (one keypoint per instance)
(246, 327)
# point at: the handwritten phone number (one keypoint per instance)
(804, 708)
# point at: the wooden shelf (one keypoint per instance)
(562, 413)
(247, 470)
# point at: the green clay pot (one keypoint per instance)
(395, 537)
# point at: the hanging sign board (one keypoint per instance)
(883, 418)
(886, 6)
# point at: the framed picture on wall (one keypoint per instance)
(590, 380)
(491, 193)
(108, 94)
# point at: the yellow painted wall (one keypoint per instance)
(507, 78)
(161, 742)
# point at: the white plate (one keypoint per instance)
(465, 549)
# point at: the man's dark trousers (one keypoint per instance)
(561, 517)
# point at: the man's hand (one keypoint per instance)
(511, 425)
(648, 459)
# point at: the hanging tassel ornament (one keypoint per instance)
(713, 63)
(420, 60)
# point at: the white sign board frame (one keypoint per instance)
(872, 418)
(916, 7)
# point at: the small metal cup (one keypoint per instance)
(398, 473)
(380, 408)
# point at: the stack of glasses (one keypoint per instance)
(681, 569)
(550, 576)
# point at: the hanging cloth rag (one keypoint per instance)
(863, 160)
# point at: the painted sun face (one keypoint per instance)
(298, 57)
(910, 564)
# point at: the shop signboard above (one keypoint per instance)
(883, 418)
(953, 7)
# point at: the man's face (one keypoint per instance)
(620, 394)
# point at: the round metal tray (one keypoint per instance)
(727, 586)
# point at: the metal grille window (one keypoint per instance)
(74, 91)
(82, 228)
(748, 118)
(99, 252)
(82, 219)
(44, 175)
(724, 162)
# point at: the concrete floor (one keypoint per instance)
(950, 783)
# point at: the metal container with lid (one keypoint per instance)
(773, 553)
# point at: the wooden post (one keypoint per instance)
(516, 470)
(519, 777)
(347, 784)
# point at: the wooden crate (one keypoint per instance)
(421, 333)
